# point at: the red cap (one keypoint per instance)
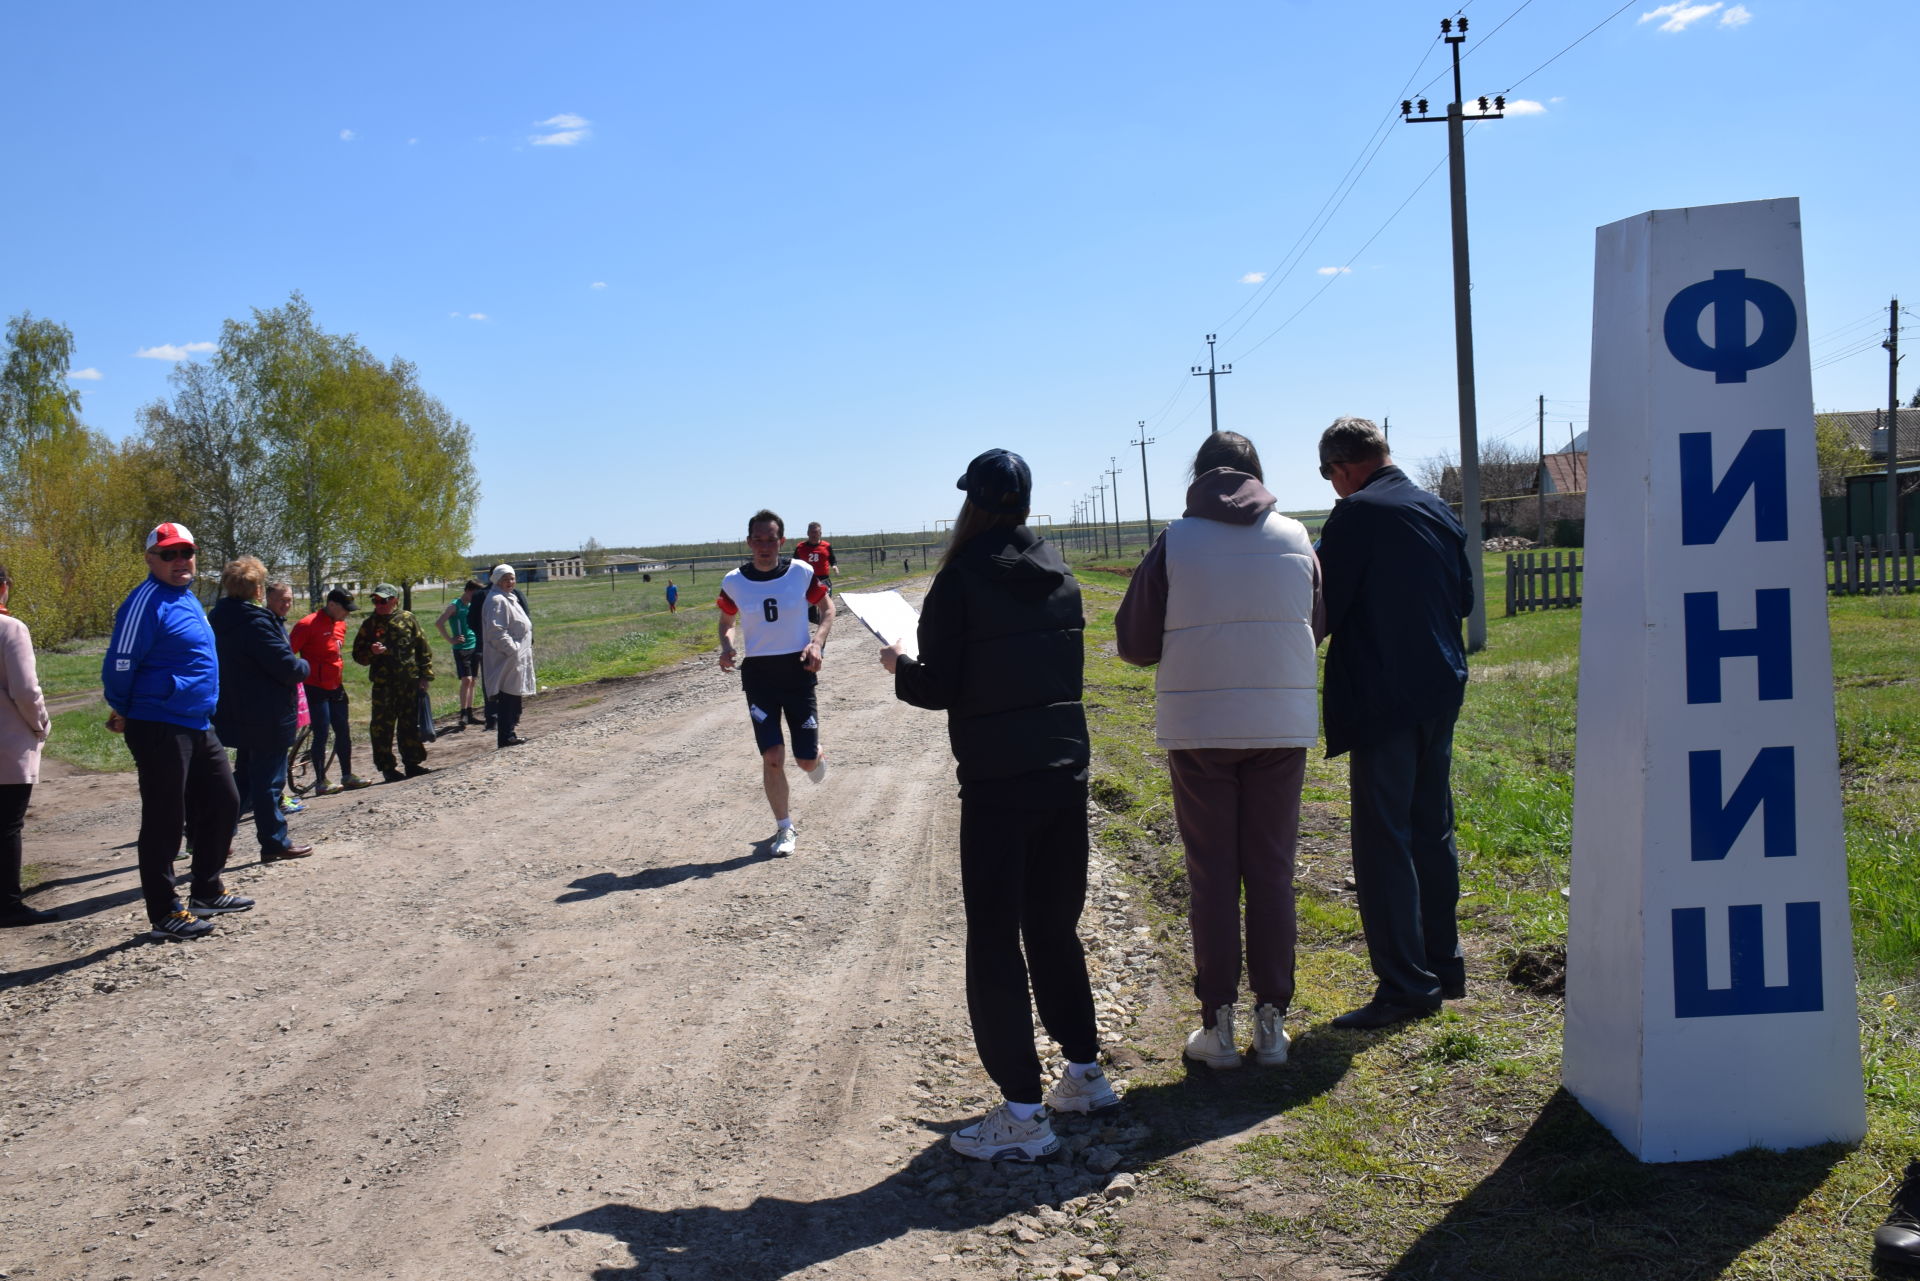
(170, 534)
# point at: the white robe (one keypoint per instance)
(506, 645)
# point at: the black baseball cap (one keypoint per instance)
(998, 481)
(343, 598)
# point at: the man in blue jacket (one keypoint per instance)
(162, 680)
(1396, 587)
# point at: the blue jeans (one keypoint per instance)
(327, 709)
(260, 777)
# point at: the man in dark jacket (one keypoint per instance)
(255, 714)
(1397, 585)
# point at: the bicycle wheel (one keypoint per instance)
(300, 776)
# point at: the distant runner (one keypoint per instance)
(818, 553)
(767, 598)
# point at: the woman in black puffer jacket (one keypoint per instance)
(1000, 652)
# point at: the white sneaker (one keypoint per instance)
(1214, 1046)
(1270, 1039)
(818, 773)
(783, 841)
(1089, 1093)
(1000, 1136)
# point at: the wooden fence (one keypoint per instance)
(1873, 564)
(1542, 580)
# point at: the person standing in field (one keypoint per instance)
(507, 651)
(766, 600)
(1001, 651)
(318, 638)
(1398, 587)
(161, 678)
(673, 598)
(393, 647)
(24, 726)
(1225, 603)
(817, 552)
(463, 613)
(255, 714)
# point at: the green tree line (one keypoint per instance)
(289, 443)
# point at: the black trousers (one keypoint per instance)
(506, 715)
(185, 779)
(13, 817)
(1406, 873)
(1023, 875)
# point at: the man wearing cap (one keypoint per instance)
(161, 677)
(393, 647)
(766, 599)
(318, 638)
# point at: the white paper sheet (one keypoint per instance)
(888, 616)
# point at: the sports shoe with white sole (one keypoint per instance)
(1214, 1046)
(1001, 1136)
(783, 842)
(179, 927)
(219, 904)
(1270, 1039)
(1090, 1093)
(818, 774)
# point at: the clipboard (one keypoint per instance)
(888, 616)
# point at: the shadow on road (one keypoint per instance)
(656, 878)
(41, 973)
(774, 1237)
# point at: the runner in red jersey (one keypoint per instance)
(817, 553)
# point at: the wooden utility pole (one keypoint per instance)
(1455, 120)
(1540, 526)
(1892, 344)
(1210, 373)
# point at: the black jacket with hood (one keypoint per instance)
(1001, 654)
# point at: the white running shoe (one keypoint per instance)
(818, 773)
(1270, 1039)
(1090, 1093)
(783, 841)
(1214, 1046)
(1000, 1136)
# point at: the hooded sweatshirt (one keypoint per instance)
(1000, 652)
(1227, 603)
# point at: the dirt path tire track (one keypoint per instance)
(560, 986)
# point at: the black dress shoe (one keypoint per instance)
(1378, 1014)
(512, 741)
(292, 851)
(24, 915)
(1453, 991)
(415, 771)
(1898, 1239)
(392, 776)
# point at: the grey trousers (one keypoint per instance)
(1405, 869)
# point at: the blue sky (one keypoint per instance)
(672, 263)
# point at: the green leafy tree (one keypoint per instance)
(37, 403)
(421, 483)
(1836, 454)
(224, 481)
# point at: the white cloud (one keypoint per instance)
(570, 130)
(1681, 15)
(346, 135)
(1525, 107)
(1738, 16)
(169, 351)
(91, 375)
(476, 315)
(1253, 277)
(1331, 271)
(598, 284)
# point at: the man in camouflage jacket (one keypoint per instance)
(393, 647)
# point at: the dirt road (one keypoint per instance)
(547, 1012)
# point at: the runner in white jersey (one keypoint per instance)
(766, 599)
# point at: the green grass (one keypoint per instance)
(1445, 1148)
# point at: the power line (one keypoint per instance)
(1556, 57)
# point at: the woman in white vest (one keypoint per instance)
(1227, 603)
(506, 654)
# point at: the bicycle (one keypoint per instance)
(300, 773)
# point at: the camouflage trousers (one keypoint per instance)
(396, 706)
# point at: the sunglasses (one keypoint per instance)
(175, 553)
(1326, 471)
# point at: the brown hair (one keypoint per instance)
(1352, 440)
(973, 522)
(243, 577)
(764, 514)
(1227, 449)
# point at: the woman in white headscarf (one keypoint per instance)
(506, 644)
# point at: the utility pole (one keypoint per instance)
(1211, 373)
(1101, 489)
(1386, 430)
(1892, 344)
(1540, 482)
(1455, 120)
(1113, 477)
(1146, 491)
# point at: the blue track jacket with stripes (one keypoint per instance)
(160, 663)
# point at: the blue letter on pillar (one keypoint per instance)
(1768, 781)
(1770, 640)
(1760, 466)
(1748, 993)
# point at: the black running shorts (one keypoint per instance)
(776, 687)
